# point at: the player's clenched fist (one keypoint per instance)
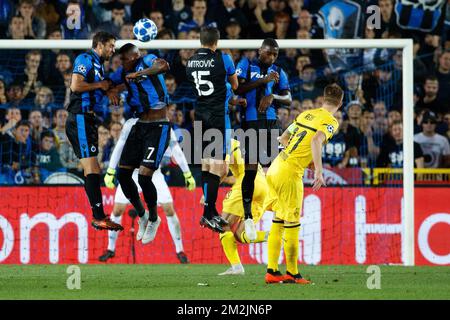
(273, 76)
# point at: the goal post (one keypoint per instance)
(407, 93)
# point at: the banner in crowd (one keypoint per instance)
(340, 225)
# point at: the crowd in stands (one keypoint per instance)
(35, 84)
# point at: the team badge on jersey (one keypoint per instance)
(82, 69)
(330, 128)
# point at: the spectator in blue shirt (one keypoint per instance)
(198, 19)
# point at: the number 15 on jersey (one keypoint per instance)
(197, 75)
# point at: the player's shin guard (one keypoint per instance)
(291, 236)
(94, 194)
(274, 244)
(112, 235)
(260, 237)
(175, 232)
(130, 190)
(210, 190)
(230, 247)
(248, 187)
(150, 195)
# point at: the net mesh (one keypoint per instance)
(356, 220)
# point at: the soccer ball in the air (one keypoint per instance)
(145, 30)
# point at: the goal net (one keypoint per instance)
(361, 217)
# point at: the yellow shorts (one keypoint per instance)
(232, 203)
(285, 196)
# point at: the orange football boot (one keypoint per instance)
(106, 224)
(297, 278)
(274, 277)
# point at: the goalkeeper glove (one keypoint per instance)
(189, 180)
(109, 178)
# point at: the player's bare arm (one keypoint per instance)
(245, 86)
(159, 66)
(316, 148)
(113, 94)
(283, 98)
(79, 84)
(233, 80)
(284, 138)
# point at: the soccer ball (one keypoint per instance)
(145, 30)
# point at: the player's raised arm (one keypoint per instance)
(284, 96)
(156, 66)
(247, 86)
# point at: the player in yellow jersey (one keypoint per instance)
(233, 211)
(303, 141)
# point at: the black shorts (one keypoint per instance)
(146, 144)
(82, 132)
(216, 142)
(260, 150)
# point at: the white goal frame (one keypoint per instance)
(408, 102)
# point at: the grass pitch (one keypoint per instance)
(184, 282)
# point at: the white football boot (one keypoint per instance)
(237, 270)
(150, 231)
(142, 222)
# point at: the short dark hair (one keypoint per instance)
(169, 76)
(269, 42)
(209, 36)
(25, 123)
(431, 78)
(333, 94)
(47, 134)
(127, 47)
(102, 37)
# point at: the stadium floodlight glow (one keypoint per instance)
(406, 45)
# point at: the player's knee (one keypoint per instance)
(168, 209)
(118, 211)
(90, 166)
(144, 171)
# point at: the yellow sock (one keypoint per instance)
(274, 244)
(230, 247)
(291, 237)
(260, 237)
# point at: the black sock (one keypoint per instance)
(150, 195)
(130, 190)
(212, 188)
(94, 194)
(248, 186)
(205, 175)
